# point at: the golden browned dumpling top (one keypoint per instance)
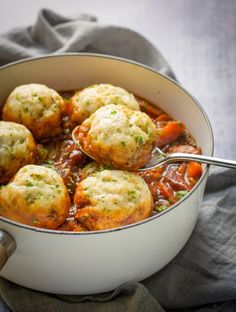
(112, 198)
(87, 101)
(118, 136)
(37, 107)
(36, 196)
(17, 149)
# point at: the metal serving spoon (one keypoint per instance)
(159, 157)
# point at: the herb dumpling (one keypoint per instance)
(85, 102)
(112, 198)
(17, 149)
(118, 136)
(37, 107)
(36, 196)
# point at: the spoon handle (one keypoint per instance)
(202, 158)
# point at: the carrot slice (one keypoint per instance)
(194, 169)
(169, 133)
(163, 117)
(149, 109)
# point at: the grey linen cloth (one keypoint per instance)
(202, 277)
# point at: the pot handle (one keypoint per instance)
(7, 247)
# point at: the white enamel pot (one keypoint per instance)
(94, 262)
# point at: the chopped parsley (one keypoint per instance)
(181, 194)
(161, 208)
(29, 183)
(49, 162)
(138, 139)
(35, 221)
(171, 201)
(37, 176)
(132, 195)
(66, 98)
(29, 199)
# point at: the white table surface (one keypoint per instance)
(198, 38)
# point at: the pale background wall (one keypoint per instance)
(198, 38)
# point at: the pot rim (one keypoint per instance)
(125, 227)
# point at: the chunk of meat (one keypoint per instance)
(184, 149)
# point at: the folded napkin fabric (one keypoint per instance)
(53, 34)
(202, 277)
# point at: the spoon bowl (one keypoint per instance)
(76, 141)
(160, 158)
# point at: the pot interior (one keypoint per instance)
(75, 71)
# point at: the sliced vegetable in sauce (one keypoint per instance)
(168, 183)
